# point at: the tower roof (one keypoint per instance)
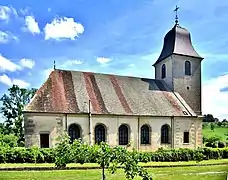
(177, 41)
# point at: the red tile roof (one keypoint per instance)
(70, 91)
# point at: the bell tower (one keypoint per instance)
(179, 65)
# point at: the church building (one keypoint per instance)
(143, 113)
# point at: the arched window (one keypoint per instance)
(100, 133)
(163, 71)
(74, 132)
(123, 135)
(187, 68)
(145, 134)
(165, 134)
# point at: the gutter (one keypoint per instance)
(138, 134)
(172, 128)
(66, 122)
(90, 124)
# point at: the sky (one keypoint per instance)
(114, 36)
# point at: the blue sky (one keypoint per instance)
(115, 36)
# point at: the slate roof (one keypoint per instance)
(177, 41)
(70, 91)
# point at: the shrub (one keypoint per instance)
(212, 145)
(8, 140)
(221, 144)
(82, 153)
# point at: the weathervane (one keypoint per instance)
(54, 64)
(176, 18)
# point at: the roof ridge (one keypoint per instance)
(107, 74)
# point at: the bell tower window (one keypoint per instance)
(187, 68)
(163, 71)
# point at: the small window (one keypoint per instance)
(123, 135)
(187, 68)
(165, 134)
(163, 71)
(100, 134)
(44, 140)
(74, 132)
(186, 137)
(145, 134)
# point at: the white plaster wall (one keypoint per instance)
(56, 123)
(169, 71)
(53, 124)
(155, 124)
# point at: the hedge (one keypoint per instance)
(42, 155)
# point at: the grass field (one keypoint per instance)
(219, 131)
(180, 173)
(7, 165)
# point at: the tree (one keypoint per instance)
(212, 126)
(12, 107)
(106, 156)
(208, 118)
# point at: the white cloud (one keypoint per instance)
(72, 62)
(61, 28)
(6, 12)
(7, 65)
(27, 63)
(131, 65)
(6, 37)
(213, 100)
(10, 82)
(103, 60)
(31, 25)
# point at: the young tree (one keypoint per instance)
(106, 156)
(212, 126)
(12, 107)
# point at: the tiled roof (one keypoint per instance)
(177, 41)
(70, 91)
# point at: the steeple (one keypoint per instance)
(179, 66)
(177, 41)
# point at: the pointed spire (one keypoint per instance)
(176, 18)
(54, 64)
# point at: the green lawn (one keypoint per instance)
(219, 131)
(180, 173)
(96, 165)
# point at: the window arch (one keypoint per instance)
(100, 133)
(145, 134)
(74, 132)
(187, 68)
(165, 134)
(163, 71)
(123, 135)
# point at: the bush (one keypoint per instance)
(26, 155)
(8, 140)
(212, 145)
(221, 144)
(82, 153)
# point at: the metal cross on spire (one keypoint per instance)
(176, 18)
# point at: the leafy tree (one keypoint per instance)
(106, 156)
(9, 140)
(12, 107)
(208, 118)
(219, 124)
(212, 126)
